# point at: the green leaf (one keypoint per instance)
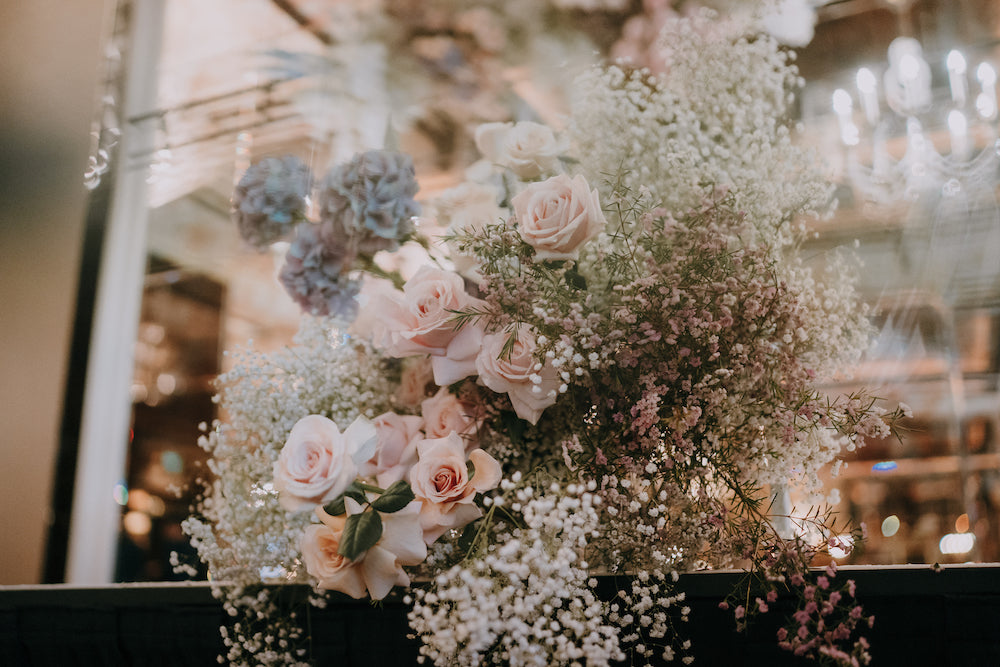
(355, 490)
(336, 506)
(361, 532)
(395, 498)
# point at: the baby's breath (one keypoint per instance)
(240, 531)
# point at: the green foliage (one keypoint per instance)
(361, 532)
(395, 498)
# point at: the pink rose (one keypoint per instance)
(557, 216)
(513, 375)
(444, 413)
(420, 321)
(318, 461)
(528, 149)
(417, 374)
(377, 570)
(459, 359)
(440, 480)
(396, 448)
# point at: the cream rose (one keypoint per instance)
(513, 375)
(444, 413)
(558, 215)
(440, 481)
(318, 461)
(377, 570)
(528, 149)
(396, 448)
(419, 320)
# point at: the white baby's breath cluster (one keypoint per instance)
(529, 599)
(264, 633)
(241, 532)
(716, 116)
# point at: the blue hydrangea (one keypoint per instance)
(270, 199)
(371, 200)
(316, 272)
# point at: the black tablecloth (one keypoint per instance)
(923, 617)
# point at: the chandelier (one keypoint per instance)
(930, 156)
(909, 107)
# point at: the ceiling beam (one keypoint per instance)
(291, 9)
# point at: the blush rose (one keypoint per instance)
(378, 569)
(557, 216)
(318, 461)
(396, 448)
(440, 481)
(512, 375)
(528, 149)
(459, 359)
(420, 319)
(444, 413)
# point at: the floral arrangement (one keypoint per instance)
(610, 364)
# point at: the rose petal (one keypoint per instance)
(436, 523)
(349, 580)
(381, 572)
(403, 535)
(459, 359)
(361, 440)
(487, 476)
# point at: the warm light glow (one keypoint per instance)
(962, 524)
(866, 80)
(890, 525)
(955, 62)
(850, 135)
(842, 104)
(958, 127)
(956, 77)
(137, 524)
(146, 503)
(867, 87)
(986, 74)
(139, 393)
(986, 105)
(909, 68)
(166, 383)
(957, 543)
(957, 123)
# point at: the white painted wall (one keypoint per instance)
(107, 406)
(49, 56)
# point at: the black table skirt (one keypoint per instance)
(951, 617)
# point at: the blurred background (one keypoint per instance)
(127, 122)
(50, 59)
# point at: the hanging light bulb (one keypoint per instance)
(955, 63)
